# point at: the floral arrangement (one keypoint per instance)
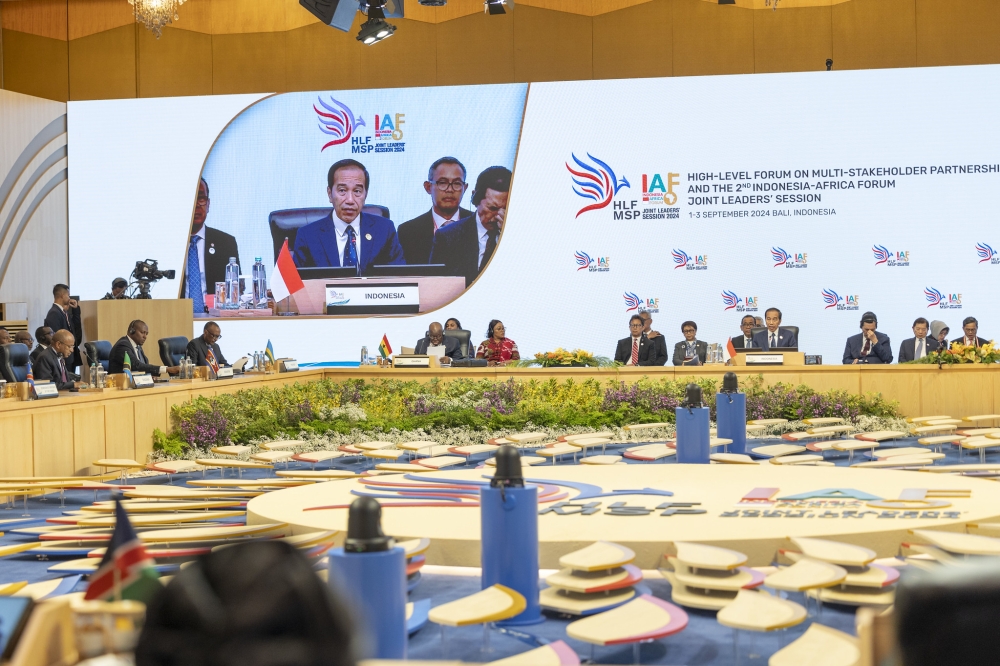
(474, 410)
(578, 358)
(959, 353)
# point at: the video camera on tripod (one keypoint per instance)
(146, 273)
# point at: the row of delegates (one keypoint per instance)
(496, 349)
(350, 237)
(922, 344)
(644, 346)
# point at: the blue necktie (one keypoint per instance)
(194, 277)
(350, 251)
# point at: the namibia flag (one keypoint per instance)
(126, 571)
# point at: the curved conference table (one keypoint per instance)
(61, 436)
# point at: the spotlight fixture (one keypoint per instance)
(433, 3)
(492, 7)
(829, 64)
(375, 29)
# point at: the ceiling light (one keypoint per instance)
(375, 29)
(433, 3)
(492, 7)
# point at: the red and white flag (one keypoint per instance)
(285, 279)
(729, 351)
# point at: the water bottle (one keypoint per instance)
(259, 284)
(93, 375)
(364, 356)
(232, 285)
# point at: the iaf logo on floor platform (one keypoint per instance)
(943, 301)
(835, 300)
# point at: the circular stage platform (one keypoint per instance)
(703, 503)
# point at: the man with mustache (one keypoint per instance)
(446, 185)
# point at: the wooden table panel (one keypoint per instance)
(957, 391)
(88, 438)
(52, 436)
(119, 426)
(16, 440)
(899, 384)
(150, 413)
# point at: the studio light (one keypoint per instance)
(492, 7)
(375, 29)
(433, 3)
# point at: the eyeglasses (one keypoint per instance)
(202, 201)
(445, 185)
(688, 330)
(213, 336)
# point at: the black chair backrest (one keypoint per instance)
(464, 338)
(99, 350)
(286, 223)
(14, 362)
(758, 329)
(172, 350)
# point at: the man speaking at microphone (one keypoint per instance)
(869, 346)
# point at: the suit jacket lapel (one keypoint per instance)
(328, 239)
(365, 226)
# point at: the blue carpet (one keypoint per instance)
(704, 641)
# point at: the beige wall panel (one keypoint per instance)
(179, 63)
(297, 16)
(453, 10)
(102, 65)
(41, 257)
(89, 17)
(248, 63)
(53, 446)
(319, 57)
(119, 426)
(957, 32)
(832, 381)
(792, 40)
(88, 438)
(45, 18)
(475, 49)
(34, 65)
(958, 392)
(552, 46)
(870, 34)
(230, 17)
(407, 59)
(150, 413)
(712, 39)
(634, 42)
(195, 15)
(15, 445)
(904, 387)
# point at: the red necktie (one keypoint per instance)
(62, 369)
(635, 351)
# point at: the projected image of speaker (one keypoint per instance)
(339, 14)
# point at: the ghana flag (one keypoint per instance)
(126, 571)
(384, 348)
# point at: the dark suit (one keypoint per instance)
(979, 341)
(457, 247)
(452, 348)
(881, 351)
(785, 339)
(701, 348)
(58, 319)
(47, 367)
(36, 352)
(416, 236)
(116, 361)
(908, 348)
(739, 342)
(316, 243)
(647, 353)
(197, 351)
(219, 246)
(659, 350)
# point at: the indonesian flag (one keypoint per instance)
(126, 571)
(729, 351)
(285, 280)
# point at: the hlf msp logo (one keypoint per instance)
(584, 262)
(943, 301)
(987, 254)
(783, 258)
(635, 304)
(734, 302)
(691, 262)
(883, 257)
(835, 300)
(338, 121)
(597, 182)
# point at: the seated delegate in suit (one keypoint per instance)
(868, 346)
(24, 338)
(970, 327)
(774, 336)
(43, 336)
(466, 246)
(436, 338)
(690, 351)
(636, 349)
(4, 336)
(745, 339)
(208, 254)
(497, 348)
(446, 185)
(348, 237)
(131, 344)
(51, 363)
(659, 342)
(197, 349)
(919, 345)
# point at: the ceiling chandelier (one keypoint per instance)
(155, 14)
